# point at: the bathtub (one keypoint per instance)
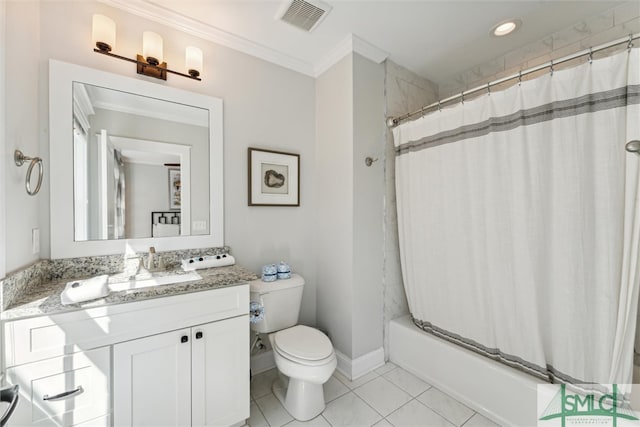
(499, 392)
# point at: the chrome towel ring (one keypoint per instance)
(20, 158)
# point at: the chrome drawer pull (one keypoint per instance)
(64, 395)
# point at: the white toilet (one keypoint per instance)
(304, 356)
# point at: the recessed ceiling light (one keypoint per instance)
(506, 27)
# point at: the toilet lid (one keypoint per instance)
(304, 342)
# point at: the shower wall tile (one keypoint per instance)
(583, 30)
(626, 12)
(405, 90)
(402, 73)
(480, 72)
(528, 52)
(619, 31)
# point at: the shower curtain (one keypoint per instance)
(519, 222)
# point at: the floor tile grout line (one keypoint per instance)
(452, 398)
(262, 413)
(401, 406)
(347, 385)
(375, 375)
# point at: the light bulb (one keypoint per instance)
(152, 47)
(193, 58)
(103, 33)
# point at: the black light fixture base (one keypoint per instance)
(143, 67)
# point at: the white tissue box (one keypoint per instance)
(85, 290)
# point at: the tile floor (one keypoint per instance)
(389, 396)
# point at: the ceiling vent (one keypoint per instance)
(304, 14)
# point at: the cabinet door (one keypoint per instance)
(220, 372)
(152, 380)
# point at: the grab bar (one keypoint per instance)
(20, 158)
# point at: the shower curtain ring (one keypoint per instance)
(520, 78)
(551, 68)
(590, 55)
(489, 89)
(462, 97)
(439, 107)
(422, 112)
(630, 44)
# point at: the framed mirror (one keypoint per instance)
(131, 161)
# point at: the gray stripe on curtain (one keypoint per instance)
(548, 373)
(621, 97)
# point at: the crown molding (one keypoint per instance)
(351, 43)
(162, 15)
(156, 13)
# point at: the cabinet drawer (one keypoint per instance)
(38, 338)
(63, 391)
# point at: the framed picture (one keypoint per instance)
(274, 178)
(174, 189)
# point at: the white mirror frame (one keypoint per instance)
(61, 78)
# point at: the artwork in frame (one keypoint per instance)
(174, 189)
(274, 178)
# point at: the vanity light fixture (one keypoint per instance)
(506, 27)
(151, 62)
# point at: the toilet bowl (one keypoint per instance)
(306, 360)
(304, 356)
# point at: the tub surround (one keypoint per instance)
(465, 375)
(36, 290)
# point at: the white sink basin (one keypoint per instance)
(145, 279)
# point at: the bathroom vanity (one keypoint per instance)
(167, 355)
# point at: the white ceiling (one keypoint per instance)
(435, 39)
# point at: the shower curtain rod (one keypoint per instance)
(395, 121)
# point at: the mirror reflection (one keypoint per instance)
(140, 166)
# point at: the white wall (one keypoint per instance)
(264, 106)
(368, 204)
(3, 44)
(22, 53)
(334, 201)
(140, 201)
(349, 233)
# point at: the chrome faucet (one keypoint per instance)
(150, 263)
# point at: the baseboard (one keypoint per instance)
(356, 368)
(262, 362)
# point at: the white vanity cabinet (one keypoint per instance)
(194, 376)
(71, 367)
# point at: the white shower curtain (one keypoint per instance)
(519, 222)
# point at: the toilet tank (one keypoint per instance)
(281, 301)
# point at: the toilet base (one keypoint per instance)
(302, 400)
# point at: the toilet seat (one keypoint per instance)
(304, 345)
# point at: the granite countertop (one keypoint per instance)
(45, 299)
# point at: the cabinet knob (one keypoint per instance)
(198, 335)
(184, 339)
